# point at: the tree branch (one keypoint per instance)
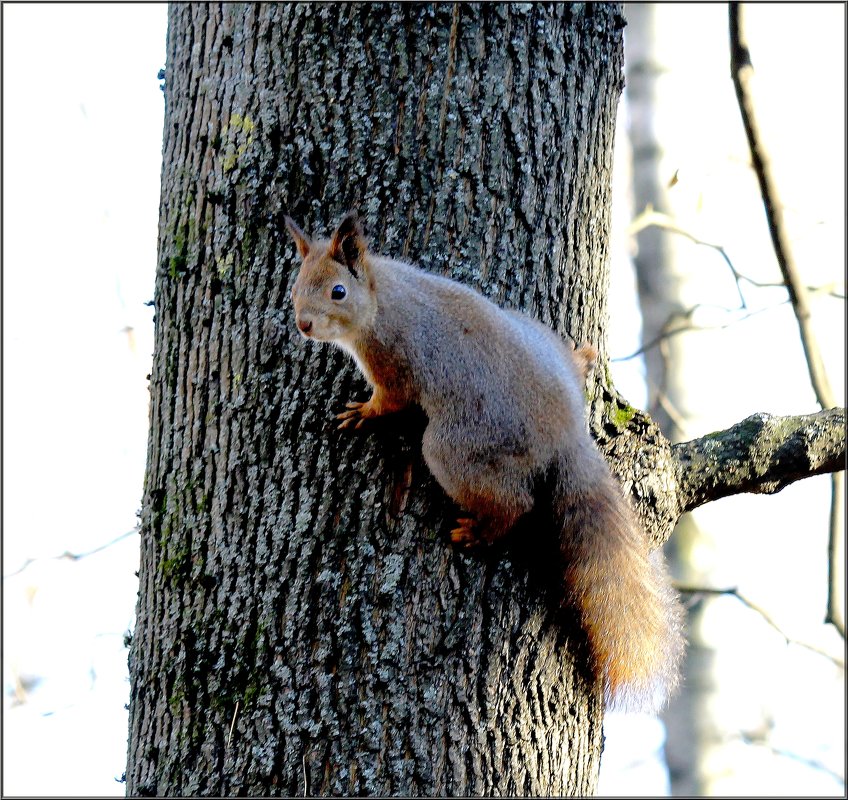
(69, 555)
(762, 454)
(707, 591)
(836, 556)
(668, 332)
(741, 70)
(762, 741)
(650, 218)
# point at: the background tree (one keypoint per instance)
(684, 128)
(670, 283)
(303, 625)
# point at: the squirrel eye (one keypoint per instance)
(338, 292)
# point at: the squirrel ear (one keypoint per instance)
(302, 241)
(348, 242)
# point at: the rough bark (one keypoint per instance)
(303, 624)
(762, 455)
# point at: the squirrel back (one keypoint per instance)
(503, 395)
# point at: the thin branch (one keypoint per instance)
(741, 71)
(68, 555)
(762, 454)
(666, 332)
(836, 556)
(734, 592)
(809, 762)
(829, 288)
(687, 314)
(650, 218)
(677, 419)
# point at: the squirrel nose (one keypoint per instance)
(305, 325)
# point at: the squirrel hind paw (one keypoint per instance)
(587, 352)
(465, 534)
(585, 356)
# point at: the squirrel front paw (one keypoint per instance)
(356, 414)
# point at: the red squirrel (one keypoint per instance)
(503, 397)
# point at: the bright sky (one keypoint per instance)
(82, 135)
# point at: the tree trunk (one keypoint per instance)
(304, 626)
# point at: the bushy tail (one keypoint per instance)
(631, 614)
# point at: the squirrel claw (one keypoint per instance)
(354, 414)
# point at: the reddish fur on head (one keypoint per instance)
(348, 242)
(301, 240)
(333, 293)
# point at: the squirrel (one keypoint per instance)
(503, 396)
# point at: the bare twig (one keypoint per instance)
(67, 555)
(732, 591)
(829, 289)
(650, 218)
(687, 314)
(677, 419)
(741, 71)
(810, 762)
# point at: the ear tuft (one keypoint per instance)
(302, 241)
(348, 243)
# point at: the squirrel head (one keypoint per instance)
(333, 294)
